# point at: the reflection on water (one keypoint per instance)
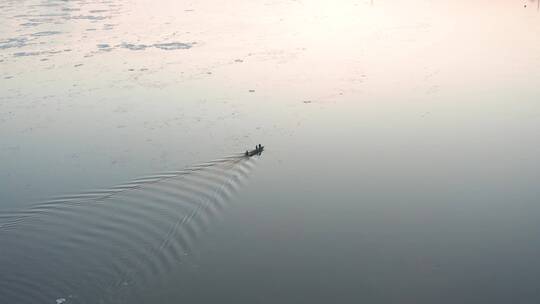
(402, 164)
(107, 246)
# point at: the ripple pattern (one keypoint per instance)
(106, 246)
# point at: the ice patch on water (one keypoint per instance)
(45, 5)
(60, 300)
(173, 46)
(41, 20)
(86, 17)
(104, 48)
(134, 47)
(35, 53)
(108, 26)
(46, 33)
(24, 54)
(169, 46)
(12, 42)
(30, 24)
(49, 15)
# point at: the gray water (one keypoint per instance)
(401, 161)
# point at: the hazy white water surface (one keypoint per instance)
(402, 143)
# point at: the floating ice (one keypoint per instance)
(30, 24)
(41, 20)
(12, 42)
(134, 47)
(173, 46)
(24, 54)
(46, 33)
(104, 47)
(87, 17)
(108, 26)
(169, 46)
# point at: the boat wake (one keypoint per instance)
(105, 246)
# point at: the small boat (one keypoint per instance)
(258, 150)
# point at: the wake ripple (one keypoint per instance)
(106, 246)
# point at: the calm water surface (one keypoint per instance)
(401, 161)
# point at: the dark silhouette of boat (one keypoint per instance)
(258, 150)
